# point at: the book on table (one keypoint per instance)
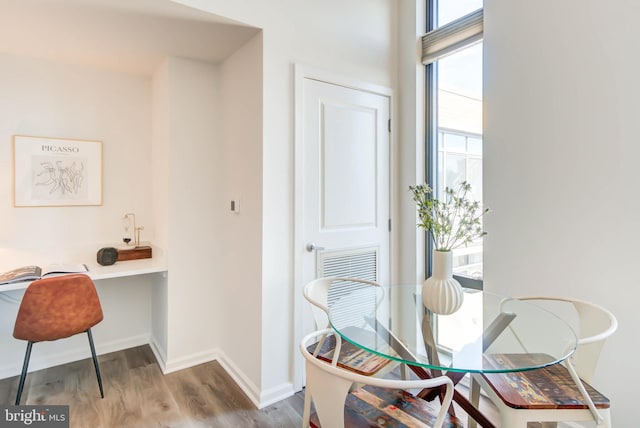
(31, 273)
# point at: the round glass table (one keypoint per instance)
(488, 334)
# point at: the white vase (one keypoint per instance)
(441, 293)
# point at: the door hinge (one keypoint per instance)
(389, 225)
(389, 124)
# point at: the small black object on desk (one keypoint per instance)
(107, 256)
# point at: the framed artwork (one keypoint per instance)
(56, 172)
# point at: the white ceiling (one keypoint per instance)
(125, 35)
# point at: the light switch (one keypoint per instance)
(235, 206)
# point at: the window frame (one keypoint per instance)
(461, 33)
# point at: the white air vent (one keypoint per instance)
(359, 263)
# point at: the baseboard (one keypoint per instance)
(161, 357)
(259, 398)
(39, 362)
(172, 365)
(276, 394)
(168, 366)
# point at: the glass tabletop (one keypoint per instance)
(489, 333)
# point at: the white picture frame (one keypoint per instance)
(56, 172)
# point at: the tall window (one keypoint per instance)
(452, 53)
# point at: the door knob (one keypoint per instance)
(311, 247)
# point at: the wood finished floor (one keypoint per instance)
(137, 394)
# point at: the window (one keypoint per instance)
(452, 53)
(450, 10)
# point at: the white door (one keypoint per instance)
(342, 179)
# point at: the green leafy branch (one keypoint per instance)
(454, 221)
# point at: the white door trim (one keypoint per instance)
(302, 72)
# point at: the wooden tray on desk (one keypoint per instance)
(142, 252)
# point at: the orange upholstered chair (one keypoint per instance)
(55, 308)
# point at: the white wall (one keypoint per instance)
(409, 253)
(561, 153)
(46, 98)
(160, 133)
(194, 245)
(242, 231)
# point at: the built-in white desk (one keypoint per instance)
(15, 259)
(98, 272)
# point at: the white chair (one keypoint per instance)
(523, 397)
(382, 403)
(330, 347)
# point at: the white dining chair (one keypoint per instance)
(560, 392)
(330, 347)
(375, 402)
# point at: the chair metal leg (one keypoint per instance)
(23, 375)
(306, 413)
(95, 362)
